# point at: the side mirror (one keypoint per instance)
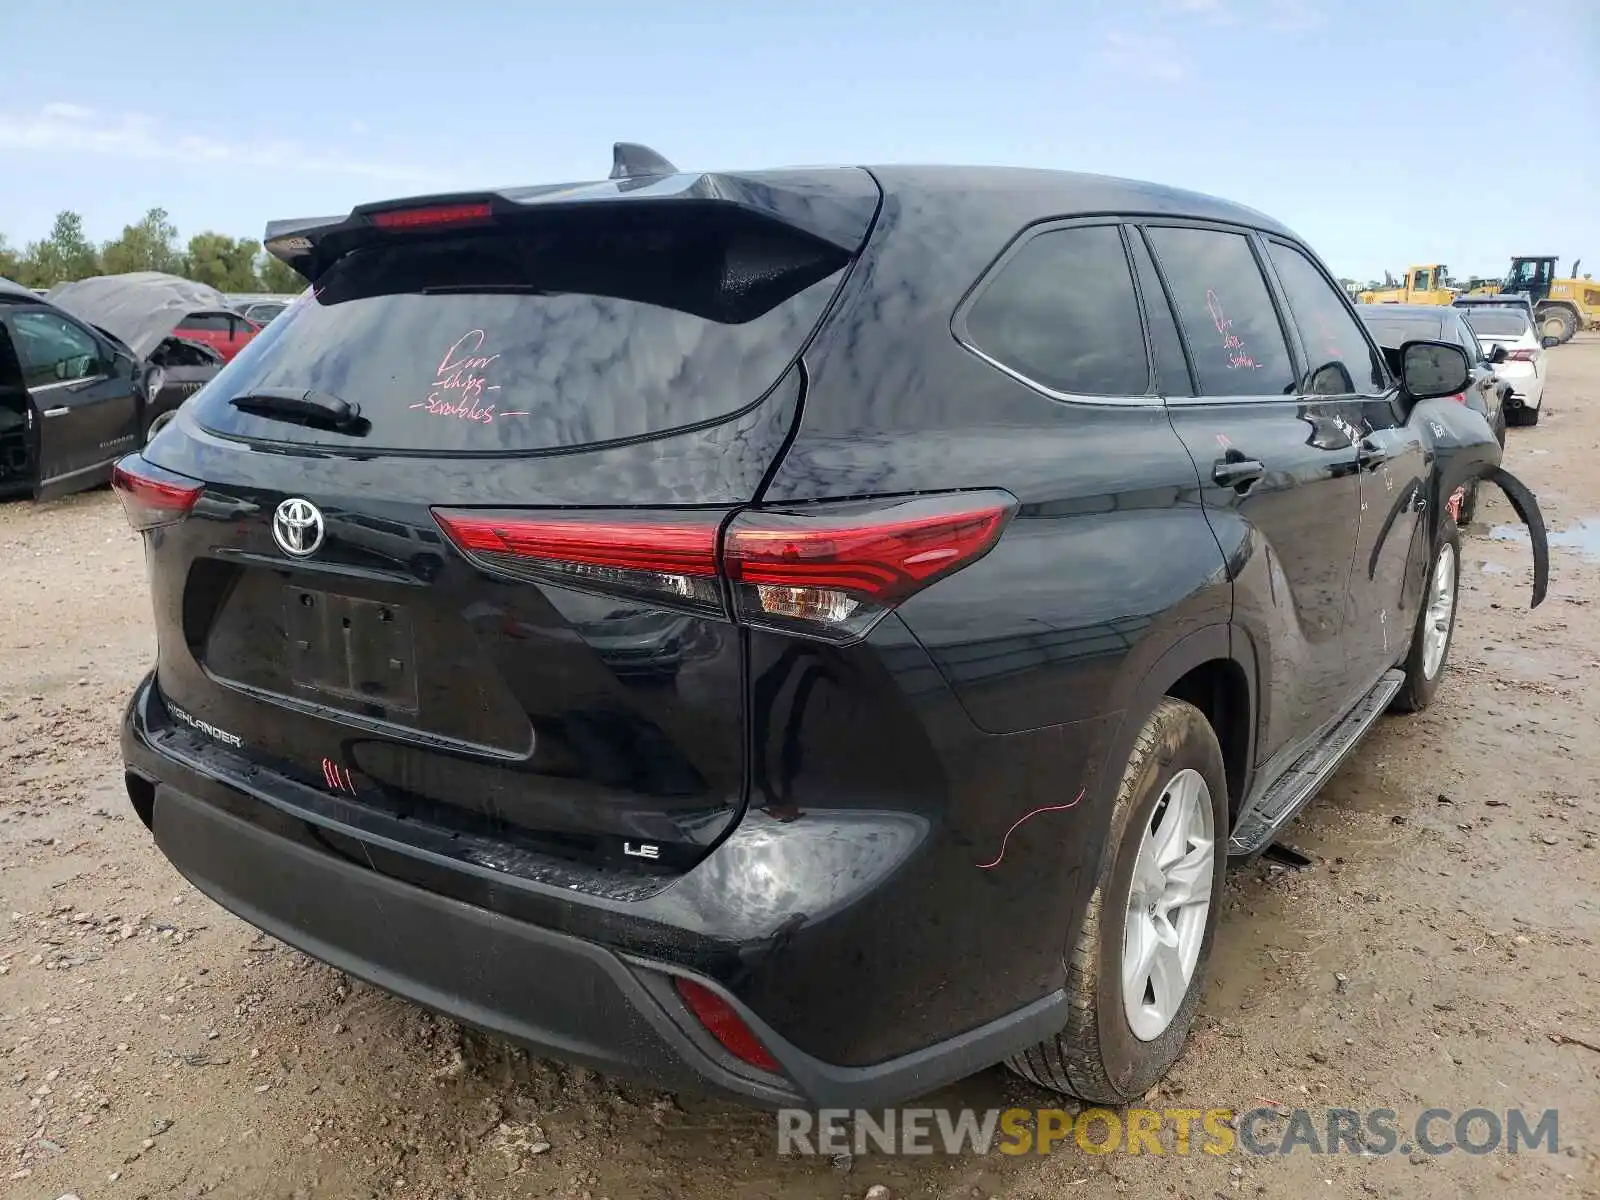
(1547, 341)
(1432, 369)
(1498, 355)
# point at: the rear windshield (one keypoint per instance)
(568, 334)
(1393, 332)
(1496, 322)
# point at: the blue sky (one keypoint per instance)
(1353, 121)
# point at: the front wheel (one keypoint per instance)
(1137, 963)
(1558, 323)
(1436, 625)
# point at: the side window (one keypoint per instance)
(1235, 340)
(1062, 313)
(1172, 372)
(1341, 359)
(53, 349)
(1468, 340)
(241, 327)
(207, 322)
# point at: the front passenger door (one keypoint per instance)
(1343, 363)
(84, 400)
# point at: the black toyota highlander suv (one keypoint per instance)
(805, 634)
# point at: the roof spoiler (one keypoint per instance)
(835, 206)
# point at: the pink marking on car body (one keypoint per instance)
(1024, 817)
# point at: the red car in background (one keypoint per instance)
(225, 332)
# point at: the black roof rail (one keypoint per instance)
(630, 160)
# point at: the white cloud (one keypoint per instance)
(1144, 57)
(72, 129)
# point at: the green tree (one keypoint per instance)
(64, 255)
(227, 264)
(279, 276)
(150, 245)
(10, 261)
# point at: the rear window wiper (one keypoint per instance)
(320, 410)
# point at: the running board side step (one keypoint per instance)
(1291, 791)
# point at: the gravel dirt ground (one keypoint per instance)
(1440, 951)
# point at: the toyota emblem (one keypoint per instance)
(297, 527)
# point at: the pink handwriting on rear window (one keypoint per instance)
(1238, 359)
(460, 383)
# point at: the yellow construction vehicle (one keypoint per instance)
(1560, 306)
(1423, 285)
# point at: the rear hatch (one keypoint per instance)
(447, 561)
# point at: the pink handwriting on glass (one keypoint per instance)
(458, 384)
(1237, 358)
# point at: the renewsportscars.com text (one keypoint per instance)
(1178, 1131)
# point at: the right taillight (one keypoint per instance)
(827, 570)
(833, 570)
(153, 496)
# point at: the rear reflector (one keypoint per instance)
(433, 215)
(724, 1024)
(1459, 397)
(826, 570)
(153, 496)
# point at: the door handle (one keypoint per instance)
(60, 410)
(1238, 472)
(1369, 454)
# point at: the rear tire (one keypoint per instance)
(1145, 908)
(1436, 624)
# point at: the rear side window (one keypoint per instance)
(1497, 323)
(1393, 334)
(1339, 357)
(208, 322)
(1235, 340)
(1062, 314)
(1172, 372)
(547, 335)
(1468, 340)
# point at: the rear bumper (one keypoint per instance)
(568, 997)
(1527, 389)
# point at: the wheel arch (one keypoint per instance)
(1214, 669)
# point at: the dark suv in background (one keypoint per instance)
(804, 634)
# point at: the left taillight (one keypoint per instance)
(153, 496)
(1522, 356)
(827, 570)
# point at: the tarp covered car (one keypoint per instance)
(145, 309)
(73, 397)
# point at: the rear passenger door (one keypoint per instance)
(1278, 474)
(1346, 367)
